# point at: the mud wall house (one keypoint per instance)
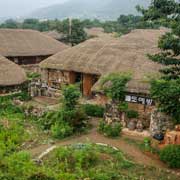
(89, 61)
(28, 47)
(12, 77)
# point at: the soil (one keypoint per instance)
(94, 137)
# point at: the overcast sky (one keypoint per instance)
(10, 8)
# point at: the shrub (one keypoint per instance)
(71, 95)
(114, 85)
(131, 114)
(40, 176)
(20, 164)
(110, 130)
(171, 155)
(94, 110)
(61, 130)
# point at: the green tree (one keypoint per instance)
(74, 31)
(166, 91)
(71, 96)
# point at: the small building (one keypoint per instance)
(90, 60)
(12, 76)
(28, 47)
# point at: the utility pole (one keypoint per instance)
(70, 29)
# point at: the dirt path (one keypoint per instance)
(94, 137)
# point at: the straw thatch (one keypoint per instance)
(10, 73)
(95, 32)
(54, 34)
(106, 55)
(18, 42)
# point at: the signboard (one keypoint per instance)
(139, 100)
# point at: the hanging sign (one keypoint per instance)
(139, 100)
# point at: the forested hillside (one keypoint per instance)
(104, 10)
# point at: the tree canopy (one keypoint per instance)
(166, 91)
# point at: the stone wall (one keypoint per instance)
(160, 123)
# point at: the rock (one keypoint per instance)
(160, 123)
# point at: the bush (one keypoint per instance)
(94, 110)
(61, 130)
(171, 155)
(110, 130)
(131, 114)
(71, 95)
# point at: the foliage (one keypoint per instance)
(19, 164)
(93, 110)
(131, 114)
(123, 107)
(114, 85)
(61, 130)
(71, 95)
(9, 110)
(171, 155)
(33, 75)
(110, 130)
(166, 91)
(11, 137)
(124, 24)
(167, 94)
(69, 119)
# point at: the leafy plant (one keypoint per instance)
(110, 130)
(171, 155)
(166, 90)
(167, 94)
(93, 110)
(61, 130)
(114, 85)
(71, 95)
(131, 114)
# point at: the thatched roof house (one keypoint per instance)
(100, 56)
(28, 47)
(10, 73)
(18, 42)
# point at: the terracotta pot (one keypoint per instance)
(139, 126)
(132, 125)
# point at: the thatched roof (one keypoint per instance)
(106, 55)
(95, 31)
(10, 73)
(54, 34)
(18, 42)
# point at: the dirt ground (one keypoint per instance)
(94, 137)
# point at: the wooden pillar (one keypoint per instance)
(87, 84)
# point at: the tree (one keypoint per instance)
(74, 31)
(166, 91)
(10, 23)
(114, 86)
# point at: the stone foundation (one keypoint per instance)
(160, 123)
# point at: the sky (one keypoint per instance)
(15, 8)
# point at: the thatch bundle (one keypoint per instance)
(106, 55)
(10, 73)
(18, 42)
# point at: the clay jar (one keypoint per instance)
(132, 124)
(139, 126)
